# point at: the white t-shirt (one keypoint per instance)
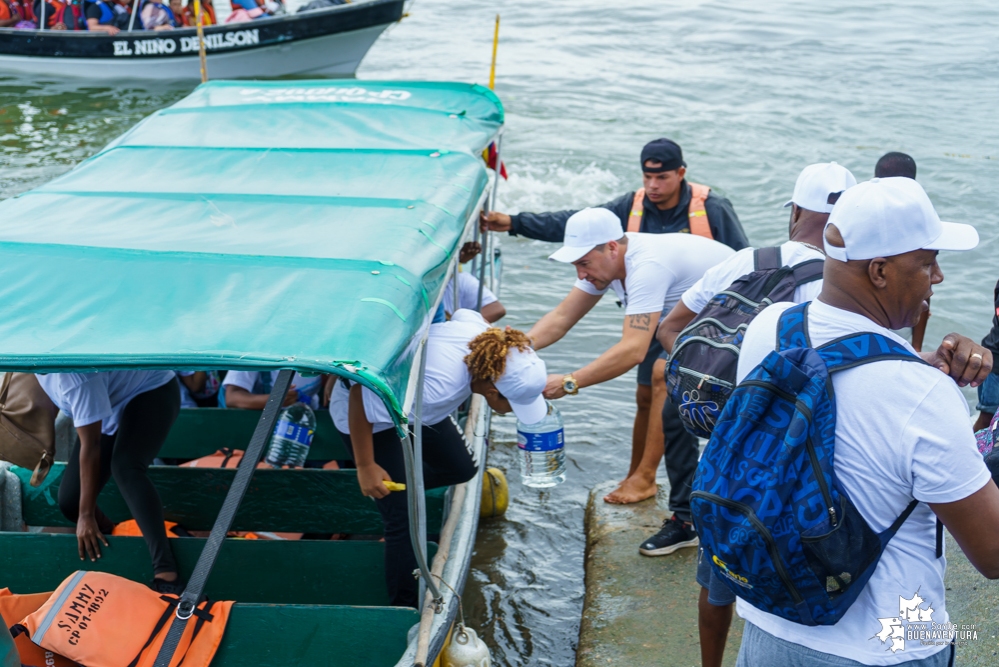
(445, 387)
(902, 432)
(721, 276)
(659, 268)
(99, 397)
(308, 386)
(468, 293)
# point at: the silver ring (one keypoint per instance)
(976, 354)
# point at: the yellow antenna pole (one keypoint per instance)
(492, 68)
(201, 41)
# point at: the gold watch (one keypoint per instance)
(569, 385)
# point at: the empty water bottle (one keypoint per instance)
(542, 450)
(292, 437)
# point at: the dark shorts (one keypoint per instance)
(988, 394)
(719, 594)
(656, 351)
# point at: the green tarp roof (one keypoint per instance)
(304, 225)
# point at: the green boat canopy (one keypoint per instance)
(304, 225)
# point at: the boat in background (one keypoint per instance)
(294, 225)
(324, 42)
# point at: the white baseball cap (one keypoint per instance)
(816, 182)
(522, 383)
(584, 231)
(884, 217)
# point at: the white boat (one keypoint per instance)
(326, 42)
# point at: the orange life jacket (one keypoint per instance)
(696, 213)
(130, 528)
(13, 608)
(103, 620)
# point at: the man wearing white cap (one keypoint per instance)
(816, 191)
(464, 356)
(648, 273)
(902, 432)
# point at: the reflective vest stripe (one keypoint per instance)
(696, 213)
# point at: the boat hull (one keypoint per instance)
(323, 43)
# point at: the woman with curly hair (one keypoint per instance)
(464, 356)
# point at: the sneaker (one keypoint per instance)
(164, 587)
(675, 534)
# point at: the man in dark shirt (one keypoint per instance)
(665, 208)
(670, 204)
(988, 391)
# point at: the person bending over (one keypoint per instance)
(122, 419)
(464, 356)
(648, 273)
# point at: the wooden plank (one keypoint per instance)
(302, 501)
(201, 431)
(269, 635)
(290, 572)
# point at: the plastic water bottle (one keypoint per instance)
(292, 436)
(542, 450)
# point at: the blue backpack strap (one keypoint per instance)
(861, 348)
(792, 328)
(767, 259)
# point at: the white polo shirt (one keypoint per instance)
(308, 386)
(721, 276)
(659, 269)
(99, 397)
(468, 293)
(447, 383)
(902, 432)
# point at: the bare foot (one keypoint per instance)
(632, 490)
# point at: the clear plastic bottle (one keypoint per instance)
(542, 450)
(292, 436)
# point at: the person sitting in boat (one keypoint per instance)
(468, 290)
(9, 16)
(156, 16)
(249, 390)
(464, 356)
(246, 10)
(207, 13)
(199, 389)
(122, 419)
(107, 16)
(60, 15)
(26, 14)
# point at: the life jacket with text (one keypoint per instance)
(102, 620)
(696, 213)
(13, 608)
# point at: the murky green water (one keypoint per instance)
(752, 93)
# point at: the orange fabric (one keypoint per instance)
(4, 10)
(13, 608)
(207, 14)
(103, 620)
(696, 214)
(223, 458)
(131, 529)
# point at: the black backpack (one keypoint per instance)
(701, 371)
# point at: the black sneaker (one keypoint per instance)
(675, 534)
(164, 587)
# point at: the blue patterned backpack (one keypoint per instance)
(779, 529)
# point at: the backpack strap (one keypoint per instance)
(808, 271)
(792, 328)
(861, 348)
(767, 259)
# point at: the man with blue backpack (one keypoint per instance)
(726, 298)
(818, 496)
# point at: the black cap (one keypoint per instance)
(663, 150)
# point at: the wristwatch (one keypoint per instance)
(569, 385)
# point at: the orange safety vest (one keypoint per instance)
(103, 620)
(13, 608)
(696, 213)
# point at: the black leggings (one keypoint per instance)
(446, 461)
(142, 430)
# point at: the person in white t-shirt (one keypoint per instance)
(815, 192)
(468, 290)
(902, 431)
(250, 389)
(122, 419)
(464, 356)
(648, 273)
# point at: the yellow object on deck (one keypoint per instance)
(495, 494)
(394, 486)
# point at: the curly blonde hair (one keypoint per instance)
(487, 359)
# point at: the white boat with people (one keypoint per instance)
(329, 41)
